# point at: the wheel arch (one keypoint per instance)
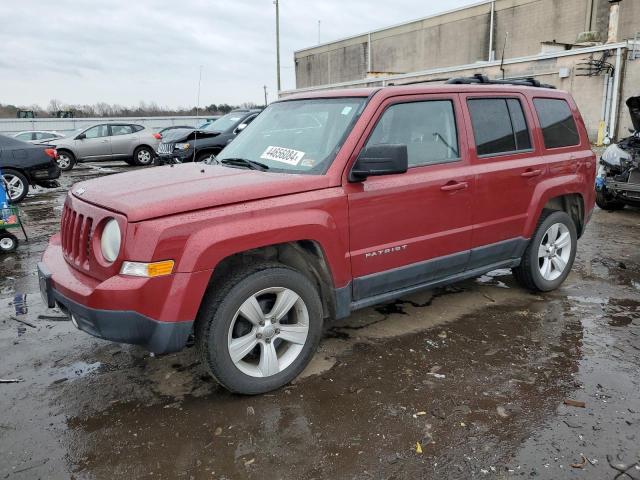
(305, 256)
(573, 205)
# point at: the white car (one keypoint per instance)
(37, 136)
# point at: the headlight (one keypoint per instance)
(182, 146)
(110, 241)
(613, 155)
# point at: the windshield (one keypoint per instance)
(299, 136)
(225, 123)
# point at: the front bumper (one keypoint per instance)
(116, 325)
(157, 314)
(178, 156)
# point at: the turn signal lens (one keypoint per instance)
(149, 270)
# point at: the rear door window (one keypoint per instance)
(121, 130)
(499, 126)
(559, 128)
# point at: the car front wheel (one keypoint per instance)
(259, 329)
(8, 242)
(15, 184)
(548, 259)
(65, 161)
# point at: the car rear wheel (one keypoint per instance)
(259, 329)
(65, 160)
(15, 184)
(8, 242)
(548, 259)
(143, 156)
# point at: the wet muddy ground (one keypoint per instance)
(479, 380)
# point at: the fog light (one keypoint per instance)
(149, 270)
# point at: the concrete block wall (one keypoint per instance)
(461, 37)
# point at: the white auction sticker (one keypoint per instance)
(284, 155)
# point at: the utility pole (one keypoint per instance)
(319, 25)
(277, 4)
(266, 101)
(198, 99)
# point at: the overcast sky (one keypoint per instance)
(127, 51)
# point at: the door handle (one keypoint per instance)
(105, 141)
(454, 186)
(531, 173)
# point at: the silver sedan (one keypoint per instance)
(132, 143)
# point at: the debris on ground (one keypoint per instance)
(574, 403)
(11, 380)
(581, 464)
(418, 448)
(20, 320)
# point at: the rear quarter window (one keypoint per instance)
(559, 128)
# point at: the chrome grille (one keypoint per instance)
(165, 148)
(75, 233)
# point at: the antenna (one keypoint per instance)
(504, 47)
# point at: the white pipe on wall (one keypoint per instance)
(615, 94)
(491, 27)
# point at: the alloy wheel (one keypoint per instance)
(144, 156)
(14, 186)
(63, 161)
(554, 251)
(268, 332)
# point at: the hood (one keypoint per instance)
(634, 109)
(184, 134)
(168, 190)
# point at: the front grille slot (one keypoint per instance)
(76, 233)
(165, 148)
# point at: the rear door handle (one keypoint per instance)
(531, 173)
(453, 186)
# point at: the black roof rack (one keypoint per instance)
(481, 79)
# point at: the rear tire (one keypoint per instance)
(8, 242)
(143, 156)
(272, 314)
(66, 160)
(15, 184)
(548, 259)
(605, 202)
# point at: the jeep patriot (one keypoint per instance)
(327, 203)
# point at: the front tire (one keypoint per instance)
(15, 184)
(606, 202)
(548, 259)
(66, 161)
(8, 242)
(259, 328)
(143, 156)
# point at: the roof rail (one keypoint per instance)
(479, 78)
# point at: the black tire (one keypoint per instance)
(15, 184)
(204, 156)
(219, 309)
(528, 273)
(66, 160)
(8, 242)
(606, 202)
(143, 156)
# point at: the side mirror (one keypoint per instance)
(379, 160)
(82, 136)
(241, 127)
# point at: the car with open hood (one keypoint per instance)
(618, 179)
(199, 144)
(328, 202)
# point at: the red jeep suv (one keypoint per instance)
(327, 203)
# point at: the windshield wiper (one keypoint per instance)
(243, 162)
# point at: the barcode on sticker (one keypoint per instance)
(284, 155)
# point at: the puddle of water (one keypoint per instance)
(75, 370)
